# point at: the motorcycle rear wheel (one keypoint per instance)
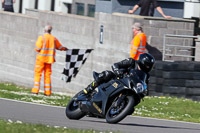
(72, 110)
(122, 111)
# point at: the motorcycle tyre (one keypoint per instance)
(74, 114)
(126, 111)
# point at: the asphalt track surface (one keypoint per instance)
(55, 116)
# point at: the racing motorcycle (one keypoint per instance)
(113, 100)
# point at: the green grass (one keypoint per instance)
(169, 108)
(19, 127)
(157, 107)
(11, 91)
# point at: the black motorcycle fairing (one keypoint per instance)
(115, 88)
(138, 75)
(95, 104)
(101, 97)
(100, 100)
(90, 108)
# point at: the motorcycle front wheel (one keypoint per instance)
(119, 112)
(72, 110)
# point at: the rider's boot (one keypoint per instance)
(90, 87)
(86, 91)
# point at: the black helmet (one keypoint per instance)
(146, 62)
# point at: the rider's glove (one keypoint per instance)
(119, 73)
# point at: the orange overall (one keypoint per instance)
(46, 46)
(138, 45)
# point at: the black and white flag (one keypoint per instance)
(75, 58)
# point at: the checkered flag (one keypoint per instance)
(75, 58)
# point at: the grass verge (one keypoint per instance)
(19, 127)
(157, 107)
(11, 91)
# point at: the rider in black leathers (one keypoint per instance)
(145, 63)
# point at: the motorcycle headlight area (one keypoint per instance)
(141, 88)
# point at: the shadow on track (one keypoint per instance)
(145, 125)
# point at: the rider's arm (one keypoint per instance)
(124, 64)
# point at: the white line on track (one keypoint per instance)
(164, 120)
(30, 103)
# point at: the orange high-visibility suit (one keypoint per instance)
(46, 46)
(138, 45)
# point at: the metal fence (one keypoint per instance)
(166, 47)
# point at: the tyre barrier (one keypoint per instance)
(179, 79)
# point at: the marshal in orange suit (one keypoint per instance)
(46, 47)
(138, 44)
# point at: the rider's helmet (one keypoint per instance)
(146, 62)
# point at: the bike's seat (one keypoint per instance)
(95, 75)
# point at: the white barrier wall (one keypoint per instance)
(192, 9)
(60, 5)
(28, 4)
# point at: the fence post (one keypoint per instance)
(163, 56)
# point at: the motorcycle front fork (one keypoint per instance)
(119, 100)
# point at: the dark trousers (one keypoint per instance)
(102, 77)
(8, 8)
